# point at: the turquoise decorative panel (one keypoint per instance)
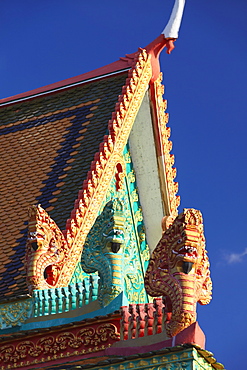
(136, 251)
(79, 275)
(15, 313)
(116, 247)
(114, 258)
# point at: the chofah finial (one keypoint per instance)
(171, 29)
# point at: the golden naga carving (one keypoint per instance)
(46, 250)
(57, 253)
(179, 270)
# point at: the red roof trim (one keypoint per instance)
(118, 66)
(154, 49)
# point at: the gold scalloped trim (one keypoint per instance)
(104, 165)
(173, 199)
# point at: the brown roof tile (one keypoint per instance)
(41, 143)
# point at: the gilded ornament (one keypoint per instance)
(134, 195)
(127, 157)
(13, 314)
(141, 233)
(86, 340)
(131, 174)
(179, 270)
(138, 215)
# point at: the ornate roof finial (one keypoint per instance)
(171, 29)
(166, 38)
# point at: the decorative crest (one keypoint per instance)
(46, 250)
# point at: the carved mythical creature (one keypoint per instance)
(103, 250)
(179, 270)
(46, 250)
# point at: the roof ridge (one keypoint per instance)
(122, 64)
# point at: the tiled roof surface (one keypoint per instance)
(46, 148)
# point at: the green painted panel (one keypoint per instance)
(116, 247)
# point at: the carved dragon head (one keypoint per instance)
(45, 251)
(113, 230)
(103, 250)
(179, 270)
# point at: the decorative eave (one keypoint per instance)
(53, 345)
(107, 338)
(134, 329)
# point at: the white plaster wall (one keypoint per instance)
(143, 154)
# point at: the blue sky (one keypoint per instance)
(205, 83)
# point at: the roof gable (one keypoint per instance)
(44, 164)
(47, 146)
(60, 189)
(107, 160)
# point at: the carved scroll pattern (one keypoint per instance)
(54, 346)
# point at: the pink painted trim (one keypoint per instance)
(154, 49)
(192, 335)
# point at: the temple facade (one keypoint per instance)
(98, 269)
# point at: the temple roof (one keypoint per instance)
(57, 143)
(47, 145)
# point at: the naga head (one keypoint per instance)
(103, 250)
(179, 270)
(44, 250)
(113, 230)
(186, 243)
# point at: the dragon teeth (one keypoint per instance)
(188, 248)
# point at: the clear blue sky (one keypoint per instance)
(206, 83)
